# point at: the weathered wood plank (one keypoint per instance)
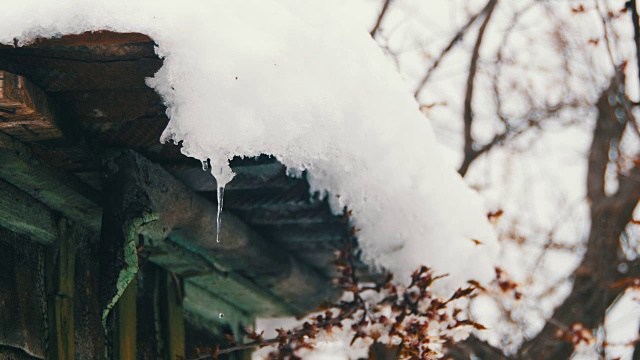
(93, 53)
(126, 333)
(60, 289)
(61, 325)
(12, 353)
(172, 210)
(89, 38)
(197, 270)
(23, 297)
(54, 188)
(52, 74)
(258, 176)
(21, 213)
(172, 316)
(100, 108)
(88, 329)
(147, 330)
(26, 113)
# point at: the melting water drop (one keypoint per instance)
(219, 219)
(623, 268)
(221, 315)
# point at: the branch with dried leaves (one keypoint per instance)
(410, 317)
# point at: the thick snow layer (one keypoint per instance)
(300, 83)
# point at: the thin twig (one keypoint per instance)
(469, 152)
(456, 38)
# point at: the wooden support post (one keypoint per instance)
(61, 264)
(172, 315)
(125, 336)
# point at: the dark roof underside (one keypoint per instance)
(97, 80)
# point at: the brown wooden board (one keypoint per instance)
(22, 295)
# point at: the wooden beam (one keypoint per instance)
(26, 112)
(21, 213)
(23, 296)
(172, 313)
(58, 74)
(148, 333)
(126, 332)
(60, 283)
(89, 38)
(54, 188)
(196, 270)
(272, 175)
(103, 108)
(171, 210)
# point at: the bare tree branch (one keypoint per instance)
(593, 281)
(632, 6)
(474, 347)
(469, 153)
(456, 38)
(514, 126)
(592, 290)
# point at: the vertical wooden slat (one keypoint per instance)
(125, 341)
(148, 328)
(172, 315)
(61, 265)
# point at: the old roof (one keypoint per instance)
(96, 84)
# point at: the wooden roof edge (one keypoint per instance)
(190, 222)
(89, 38)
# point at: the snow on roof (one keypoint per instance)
(265, 76)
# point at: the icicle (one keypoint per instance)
(219, 219)
(222, 178)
